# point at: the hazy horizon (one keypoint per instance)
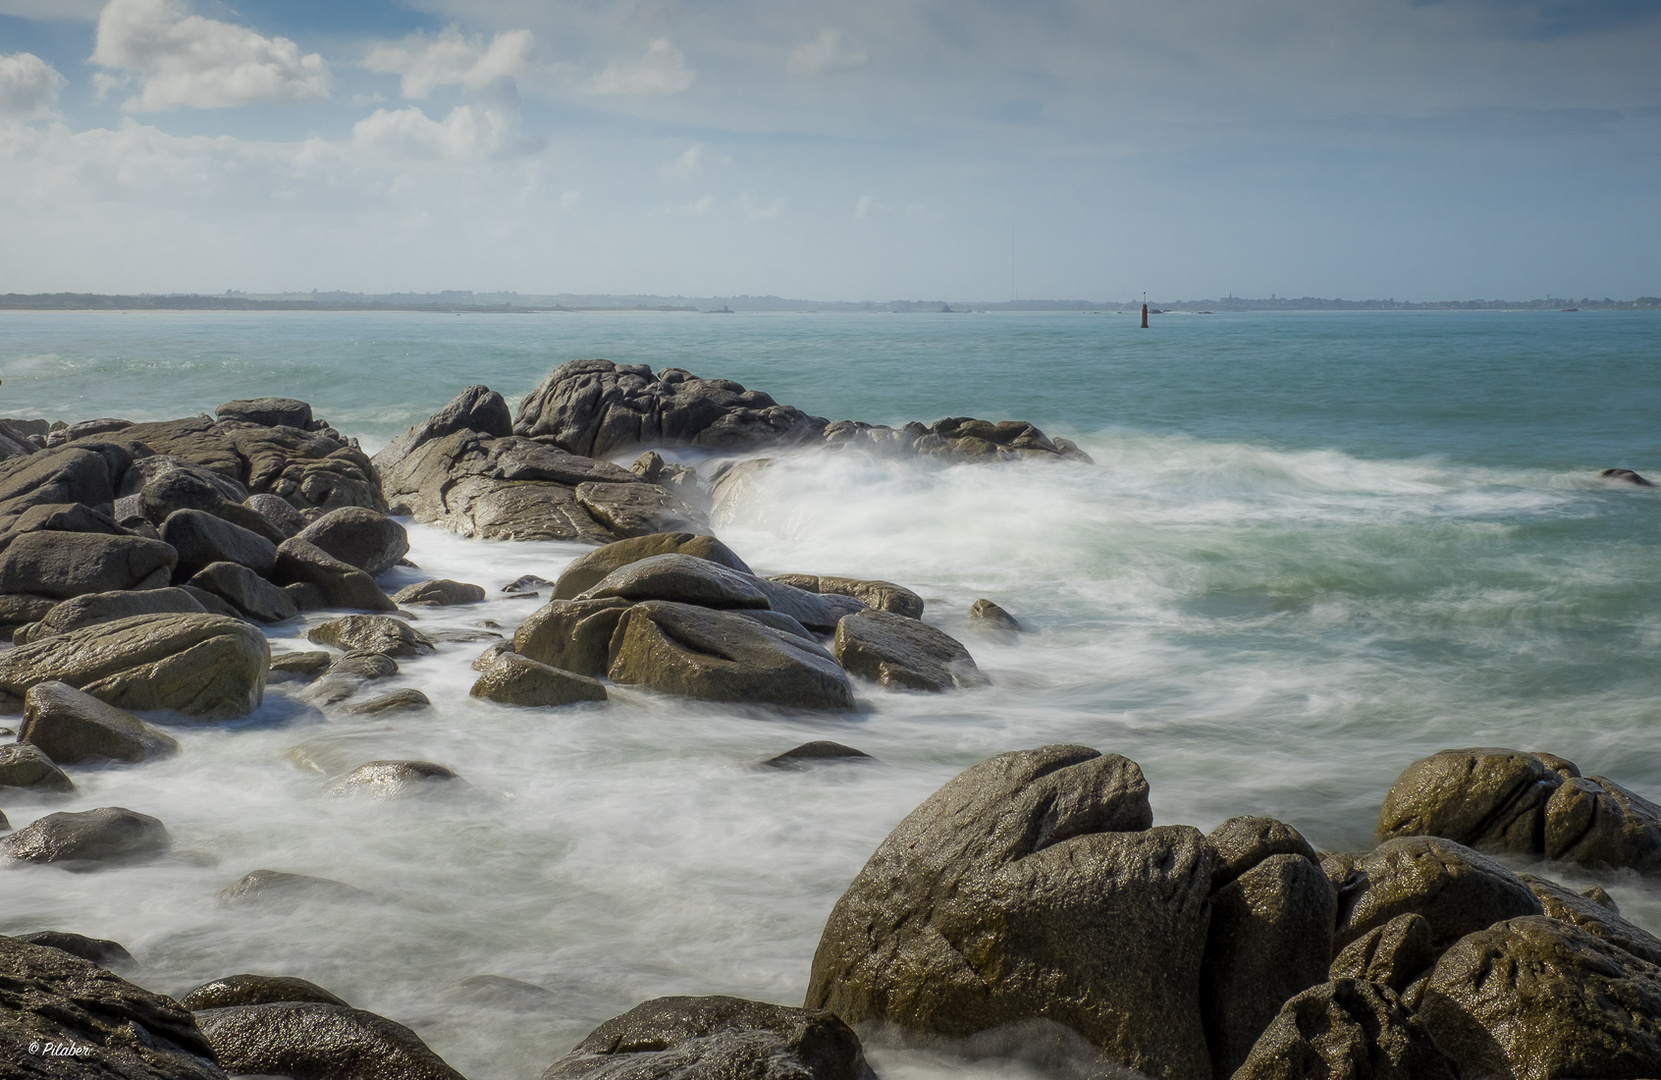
(1457, 148)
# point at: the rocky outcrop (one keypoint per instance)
(71, 727)
(1455, 889)
(1524, 804)
(903, 653)
(318, 1039)
(371, 633)
(267, 412)
(722, 656)
(518, 680)
(109, 834)
(1031, 886)
(205, 666)
(1536, 997)
(1347, 1029)
(600, 409)
(690, 1037)
(108, 1028)
(360, 537)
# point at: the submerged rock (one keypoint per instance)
(110, 834)
(394, 779)
(256, 990)
(372, 633)
(987, 614)
(318, 1039)
(303, 665)
(205, 666)
(814, 752)
(100, 951)
(518, 680)
(439, 593)
(398, 701)
(109, 1028)
(715, 1037)
(500, 992)
(276, 890)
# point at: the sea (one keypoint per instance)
(1312, 549)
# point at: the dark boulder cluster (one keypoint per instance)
(681, 613)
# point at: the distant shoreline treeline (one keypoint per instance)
(515, 303)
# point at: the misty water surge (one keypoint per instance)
(1312, 549)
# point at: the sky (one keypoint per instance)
(869, 149)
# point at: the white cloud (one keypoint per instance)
(450, 59)
(870, 207)
(187, 60)
(410, 133)
(662, 70)
(28, 87)
(829, 51)
(750, 204)
(691, 163)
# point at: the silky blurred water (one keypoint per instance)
(1312, 548)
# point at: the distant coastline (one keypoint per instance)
(524, 304)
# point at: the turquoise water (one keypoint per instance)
(1313, 548)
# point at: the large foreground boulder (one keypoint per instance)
(97, 1025)
(730, 1038)
(206, 666)
(1525, 804)
(1535, 997)
(722, 656)
(1031, 887)
(109, 834)
(310, 1039)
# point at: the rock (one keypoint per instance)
(588, 570)
(599, 409)
(407, 700)
(814, 611)
(1240, 843)
(439, 593)
(192, 488)
(680, 480)
(315, 1039)
(1346, 1029)
(106, 1028)
(1391, 955)
(202, 539)
(144, 471)
(371, 633)
(484, 660)
(316, 469)
(303, 665)
(269, 411)
(1457, 891)
(93, 608)
(1627, 475)
(278, 513)
(637, 509)
(1595, 918)
(246, 591)
(370, 541)
(62, 565)
(364, 664)
(1031, 886)
(572, 635)
(71, 727)
(342, 584)
(990, 615)
(903, 653)
(19, 609)
(67, 474)
(205, 666)
(212, 603)
(526, 583)
(308, 597)
(684, 579)
(100, 951)
(519, 680)
(1270, 938)
(276, 890)
(26, 766)
(196, 439)
(721, 656)
(1535, 997)
(478, 409)
(109, 834)
(1526, 804)
(66, 517)
(394, 779)
(778, 620)
(715, 1037)
(256, 990)
(499, 992)
(882, 595)
(813, 752)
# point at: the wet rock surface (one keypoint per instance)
(441, 593)
(25, 766)
(121, 1032)
(395, 779)
(317, 1039)
(256, 990)
(100, 951)
(71, 727)
(588, 570)
(904, 653)
(811, 753)
(277, 890)
(107, 835)
(881, 595)
(1455, 889)
(716, 1037)
(360, 537)
(1347, 1029)
(518, 680)
(372, 633)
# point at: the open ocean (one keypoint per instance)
(1313, 548)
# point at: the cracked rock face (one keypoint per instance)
(1524, 804)
(1031, 886)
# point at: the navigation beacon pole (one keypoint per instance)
(1144, 309)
